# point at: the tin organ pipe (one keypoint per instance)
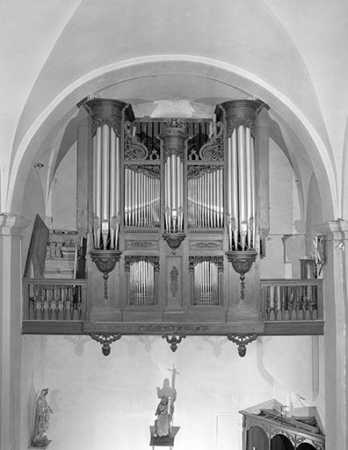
(105, 185)
(142, 199)
(206, 283)
(206, 200)
(114, 190)
(253, 194)
(174, 194)
(241, 189)
(97, 187)
(106, 188)
(249, 177)
(142, 282)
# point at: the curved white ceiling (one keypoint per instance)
(61, 53)
(244, 34)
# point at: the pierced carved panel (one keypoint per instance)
(206, 280)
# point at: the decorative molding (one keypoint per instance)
(241, 263)
(105, 340)
(273, 429)
(174, 124)
(105, 261)
(174, 340)
(174, 240)
(173, 329)
(236, 122)
(150, 170)
(205, 245)
(242, 340)
(174, 137)
(176, 150)
(217, 260)
(133, 150)
(111, 122)
(105, 111)
(213, 150)
(142, 244)
(131, 259)
(196, 170)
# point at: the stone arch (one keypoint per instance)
(64, 104)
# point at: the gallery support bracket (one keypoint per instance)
(242, 340)
(174, 339)
(105, 339)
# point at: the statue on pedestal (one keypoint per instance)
(165, 409)
(42, 412)
(163, 431)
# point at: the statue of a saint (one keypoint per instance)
(42, 412)
(165, 409)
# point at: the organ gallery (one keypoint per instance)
(172, 223)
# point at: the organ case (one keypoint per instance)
(173, 222)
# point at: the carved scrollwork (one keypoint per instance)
(174, 240)
(236, 122)
(217, 260)
(105, 261)
(177, 151)
(213, 150)
(174, 274)
(133, 150)
(205, 245)
(111, 122)
(173, 329)
(105, 340)
(196, 171)
(241, 263)
(242, 340)
(131, 259)
(176, 124)
(142, 244)
(174, 340)
(153, 171)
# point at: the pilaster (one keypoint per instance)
(336, 340)
(11, 228)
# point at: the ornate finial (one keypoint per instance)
(174, 240)
(173, 340)
(242, 340)
(242, 262)
(105, 339)
(105, 261)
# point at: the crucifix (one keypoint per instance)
(163, 432)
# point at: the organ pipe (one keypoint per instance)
(174, 140)
(106, 117)
(142, 197)
(206, 199)
(240, 116)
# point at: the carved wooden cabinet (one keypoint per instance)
(173, 219)
(171, 222)
(270, 429)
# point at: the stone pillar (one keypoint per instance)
(336, 339)
(11, 227)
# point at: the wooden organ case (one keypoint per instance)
(175, 213)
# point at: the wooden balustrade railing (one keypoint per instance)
(54, 299)
(65, 300)
(292, 300)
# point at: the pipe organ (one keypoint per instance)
(172, 202)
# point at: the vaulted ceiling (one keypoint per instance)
(291, 55)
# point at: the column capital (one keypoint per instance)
(12, 225)
(334, 230)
